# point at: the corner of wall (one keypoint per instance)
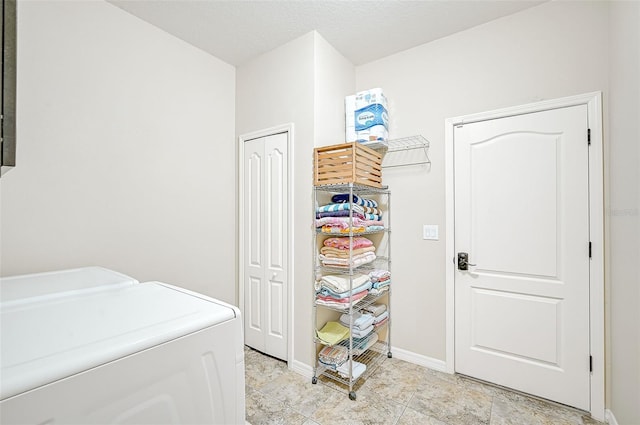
(334, 78)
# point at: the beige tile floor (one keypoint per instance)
(397, 393)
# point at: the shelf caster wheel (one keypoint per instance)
(389, 355)
(352, 395)
(314, 380)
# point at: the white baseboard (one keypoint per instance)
(398, 353)
(419, 359)
(301, 368)
(609, 417)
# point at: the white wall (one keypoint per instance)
(624, 211)
(124, 135)
(541, 53)
(334, 79)
(554, 50)
(277, 88)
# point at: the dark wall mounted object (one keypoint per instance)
(8, 113)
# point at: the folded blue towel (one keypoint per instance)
(344, 197)
(360, 321)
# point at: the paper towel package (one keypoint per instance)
(366, 117)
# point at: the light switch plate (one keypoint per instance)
(430, 232)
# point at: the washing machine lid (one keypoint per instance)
(60, 283)
(50, 338)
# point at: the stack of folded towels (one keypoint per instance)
(379, 313)
(333, 356)
(340, 291)
(380, 281)
(369, 207)
(361, 324)
(335, 290)
(342, 216)
(336, 252)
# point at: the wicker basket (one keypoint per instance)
(347, 163)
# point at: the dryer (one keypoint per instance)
(95, 346)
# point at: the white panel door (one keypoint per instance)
(276, 217)
(253, 258)
(265, 244)
(522, 215)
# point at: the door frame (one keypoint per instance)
(596, 231)
(289, 130)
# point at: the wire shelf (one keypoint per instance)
(372, 358)
(400, 152)
(379, 263)
(357, 188)
(358, 305)
(356, 346)
(366, 232)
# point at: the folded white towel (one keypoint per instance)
(360, 333)
(379, 274)
(380, 318)
(356, 261)
(376, 309)
(357, 369)
(341, 283)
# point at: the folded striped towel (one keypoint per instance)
(340, 207)
(344, 197)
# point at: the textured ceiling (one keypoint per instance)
(363, 30)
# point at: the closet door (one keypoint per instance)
(265, 244)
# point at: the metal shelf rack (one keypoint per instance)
(373, 356)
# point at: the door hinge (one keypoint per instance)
(589, 136)
(590, 363)
(589, 249)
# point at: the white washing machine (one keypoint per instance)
(92, 346)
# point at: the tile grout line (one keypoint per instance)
(403, 410)
(493, 400)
